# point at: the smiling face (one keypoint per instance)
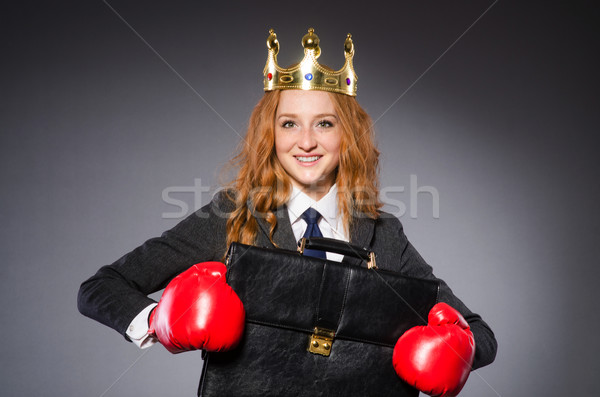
(307, 139)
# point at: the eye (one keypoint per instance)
(325, 124)
(288, 124)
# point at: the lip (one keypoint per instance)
(306, 156)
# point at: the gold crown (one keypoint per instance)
(309, 74)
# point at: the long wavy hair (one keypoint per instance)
(262, 185)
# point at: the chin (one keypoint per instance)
(311, 184)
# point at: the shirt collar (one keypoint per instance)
(327, 205)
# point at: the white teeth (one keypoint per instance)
(307, 159)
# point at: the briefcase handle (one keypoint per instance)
(338, 247)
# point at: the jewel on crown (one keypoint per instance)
(310, 74)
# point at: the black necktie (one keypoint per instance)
(311, 216)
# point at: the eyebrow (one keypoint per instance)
(293, 115)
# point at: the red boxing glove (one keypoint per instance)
(436, 358)
(198, 310)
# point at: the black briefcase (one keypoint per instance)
(316, 327)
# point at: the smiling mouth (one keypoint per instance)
(307, 159)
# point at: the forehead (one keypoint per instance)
(300, 101)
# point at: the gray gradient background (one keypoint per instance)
(94, 126)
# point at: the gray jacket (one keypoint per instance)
(118, 292)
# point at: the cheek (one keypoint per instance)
(333, 146)
(282, 144)
(335, 160)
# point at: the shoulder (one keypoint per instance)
(223, 202)
(212, 216)
(388, 222)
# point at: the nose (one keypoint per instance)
(307, 140)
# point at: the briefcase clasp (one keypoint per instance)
(321, 341)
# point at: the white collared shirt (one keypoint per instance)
(330, 224)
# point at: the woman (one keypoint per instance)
(309, 145)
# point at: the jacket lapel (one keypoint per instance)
(361, 232)
(361, 235)
(283, 235)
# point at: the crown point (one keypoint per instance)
(310, 41)
(272, 43)
(349, 45)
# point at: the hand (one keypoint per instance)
(436, 358)
(198, 310)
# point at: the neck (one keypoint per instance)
(316, 191)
